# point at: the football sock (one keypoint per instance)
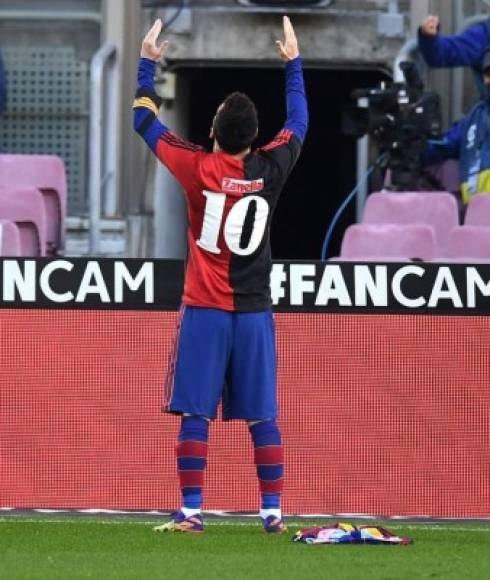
(188, 512)
(264, 514)
(192, 453)
(269, 460)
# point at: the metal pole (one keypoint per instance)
(111, 142)
(457, 75)
(123, 27)
(362, 169)
(97, 69)
(419, 9)
(393, 7)
(409, 51)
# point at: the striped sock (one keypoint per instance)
(192, 452)
(269, 459)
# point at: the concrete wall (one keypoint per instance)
(342, 35)
(76, 23)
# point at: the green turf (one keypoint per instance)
(71, 548)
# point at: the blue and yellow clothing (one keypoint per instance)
(465, 49)
(468, 141)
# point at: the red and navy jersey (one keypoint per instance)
(230, 201)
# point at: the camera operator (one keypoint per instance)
(469, 141)
(464, 49)
(401, 118)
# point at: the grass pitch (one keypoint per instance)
(87, 547)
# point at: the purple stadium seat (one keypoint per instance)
(25, 207)
(388, 242)
(9, 239)
(478, 211)
(47, 174)
(447, 174)
(436, 209)
(469, 244)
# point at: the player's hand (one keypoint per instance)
(430, 26)
(288, 49)
(150, 48)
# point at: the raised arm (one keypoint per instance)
(296, 103)
(464, 49)
(285, 149)
(175, 153)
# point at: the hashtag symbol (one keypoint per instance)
(278, 279)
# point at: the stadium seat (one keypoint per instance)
(388, 242)
(469, 244)
(447, 175)
(436, 209)
(47, 174)
(25, 207)
(478, 211)
(9, 239)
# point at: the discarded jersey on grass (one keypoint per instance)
(343, 533)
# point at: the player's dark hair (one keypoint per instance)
(236, 123)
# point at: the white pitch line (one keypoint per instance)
(20, 519)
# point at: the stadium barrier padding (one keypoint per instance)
(382, 412)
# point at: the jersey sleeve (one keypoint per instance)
(179, 156)
(285, 149)
(464, 49)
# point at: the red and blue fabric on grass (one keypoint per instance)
(344, 533)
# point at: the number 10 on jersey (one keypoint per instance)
(233, 224)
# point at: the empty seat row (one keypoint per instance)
(388, 243)
(478, 212)
(33, 196)
(414, 242)
(469, 243)
(419, 226)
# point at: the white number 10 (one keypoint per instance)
(233, 228)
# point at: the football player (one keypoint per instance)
(225, 349)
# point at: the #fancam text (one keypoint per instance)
(412, 286)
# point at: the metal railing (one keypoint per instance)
(103, 144)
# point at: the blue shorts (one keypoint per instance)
(223, 356)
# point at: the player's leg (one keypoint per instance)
(251, 395)
(197, 368)
(192, 457)
(193, 390)
(192, 453)
(269, 461)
